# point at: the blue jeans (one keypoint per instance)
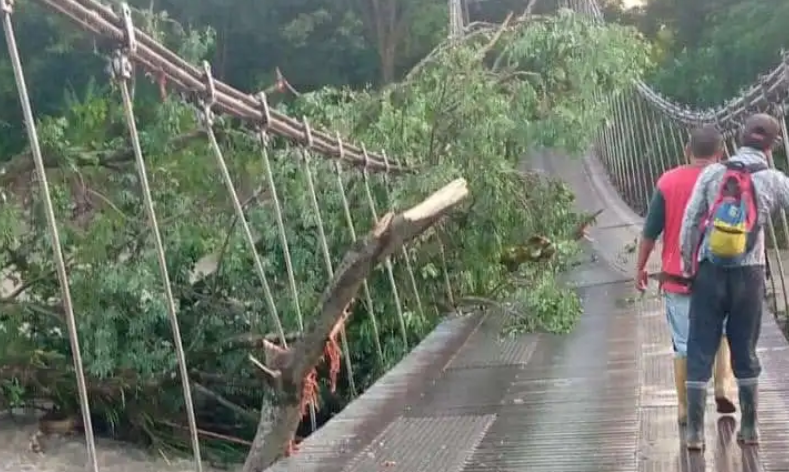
(730, 296)
(677, 309)
(678, 317)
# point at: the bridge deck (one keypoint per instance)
(599, 399)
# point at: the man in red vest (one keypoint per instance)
(666, 210)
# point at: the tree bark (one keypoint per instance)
(384, 21)
(276, 428)
(387, 53)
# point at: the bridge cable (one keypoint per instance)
(638, 157)
(403, 250)
(100, 20)
(631, 151)
(611, 143)
(263, 141)
(622, 152)
(349, 220)
(207, 119)
(682, 157)
(602, 139)
(121, 69)
(650, 145)
(387, 259)
(627, 166)
(643, 162)
(659, 135)
(7, 7)
(305, 155)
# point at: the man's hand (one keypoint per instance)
(642, 280)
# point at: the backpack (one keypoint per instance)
(732, 225)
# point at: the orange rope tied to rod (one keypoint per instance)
(332, 354)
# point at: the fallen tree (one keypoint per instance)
(458, 115)
(290, 368)
(290, 371)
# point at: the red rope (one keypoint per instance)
(333, 354)
(309, 391)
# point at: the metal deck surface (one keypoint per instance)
(599, 399)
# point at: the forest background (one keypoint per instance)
(352, 63)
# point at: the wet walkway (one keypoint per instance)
(600, 399)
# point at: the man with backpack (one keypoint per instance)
(666, 210)
(722, 243)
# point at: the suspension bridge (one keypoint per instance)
(464, 400)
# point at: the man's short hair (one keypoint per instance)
(760, 132)
(705, 142)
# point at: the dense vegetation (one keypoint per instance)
(707, 50)
(473, 110)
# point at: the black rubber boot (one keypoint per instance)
(694, 435)
(749, 401)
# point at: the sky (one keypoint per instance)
(632, 3)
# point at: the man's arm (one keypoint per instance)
(690, 233)
(779, 189)
(654, 225)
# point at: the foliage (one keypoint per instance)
(554, 68)
(707, 52)
(710, 49)
(474, 110)
(355, 41)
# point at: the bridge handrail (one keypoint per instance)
(100, 20)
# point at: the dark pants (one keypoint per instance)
(718, 292)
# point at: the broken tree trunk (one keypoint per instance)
(290, 367)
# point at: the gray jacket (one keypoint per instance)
(772, 192)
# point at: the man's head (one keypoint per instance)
(706, 143)
(760, 132)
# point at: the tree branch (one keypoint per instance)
(251, 416)
(495, 39)
(22, 164)
(527, 12)
(276, 428)
(473, 31)
(282, 85)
